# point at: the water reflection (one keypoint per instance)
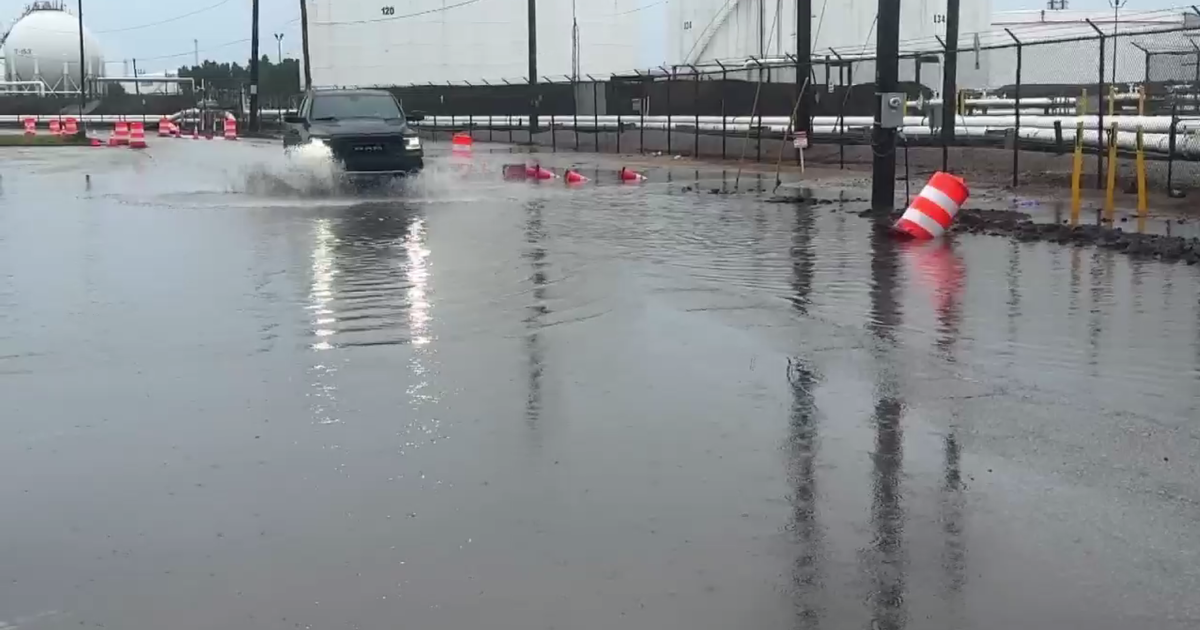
(803, 442)
(369, 287)
(535, 233)
(886, 560)
(323, 394)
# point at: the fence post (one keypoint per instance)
(620, 128)
(595, 113)
(490, 123)
(949, 91)
(758, 132)
(642, 110)
(724, 119)
(696, 105)
(1099, 110)
(1016, 157)
(1171, 149)
(670, 84)
(575, 109)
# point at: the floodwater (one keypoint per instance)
(234, 398)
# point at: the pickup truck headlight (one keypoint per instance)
(412, 143)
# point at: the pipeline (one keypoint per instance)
(1034, 129)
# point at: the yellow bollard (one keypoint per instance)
(1110, 201)
(1077, 175)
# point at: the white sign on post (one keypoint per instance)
(801, 140)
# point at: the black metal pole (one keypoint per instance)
(724, 119)
(1016, 157)
(950, 82)
(1100, 121)
(804, 69)
(696, 105)
(645, 104)
(1171, 150)
(670, 84)
(887, 71)
(595, 114)
(1099, 110)
(254, 66)
(304, 43)
(533, 73)
(82, 68)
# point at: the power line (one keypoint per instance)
(392, 18)
(168, 20)
(211, 48)
(643, 8)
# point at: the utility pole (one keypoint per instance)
(254, 67)
(279, 47)
(533, 72)
(574, 43)
(950, 82)
(196, 52)
(887, 72)
(304, 44)
(803, 64)
(82, 65)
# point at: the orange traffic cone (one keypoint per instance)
(575, 177)
(537, 172)
(631, 176)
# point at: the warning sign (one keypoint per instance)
(801, 140)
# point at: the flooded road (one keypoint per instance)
(236, 400)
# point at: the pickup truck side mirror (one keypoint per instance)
(415, 116)
(293, 119)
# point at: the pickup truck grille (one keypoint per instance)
(370, 153)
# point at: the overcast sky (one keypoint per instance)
(126, 28)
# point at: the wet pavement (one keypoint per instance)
(236, 400)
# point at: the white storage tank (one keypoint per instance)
(393, 42)
(44, 45)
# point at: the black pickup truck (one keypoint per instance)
(365, 131)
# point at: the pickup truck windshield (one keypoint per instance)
(341, 106)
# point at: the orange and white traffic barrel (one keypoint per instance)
(31, 126)
(164, 127)
(462, 143)
(121, 132)
(137, 135)
(932, 212)
(231, 128)
(55, 127)
(71, 126)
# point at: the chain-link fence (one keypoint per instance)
(1015, 113)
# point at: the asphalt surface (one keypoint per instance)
(235, 397)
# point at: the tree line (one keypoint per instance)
(276, 81)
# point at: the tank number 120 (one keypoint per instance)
(388, 10)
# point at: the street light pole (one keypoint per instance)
(1116, 5)
(279, 46)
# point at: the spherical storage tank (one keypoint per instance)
(45, 44)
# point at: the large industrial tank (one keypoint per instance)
(44, 44)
